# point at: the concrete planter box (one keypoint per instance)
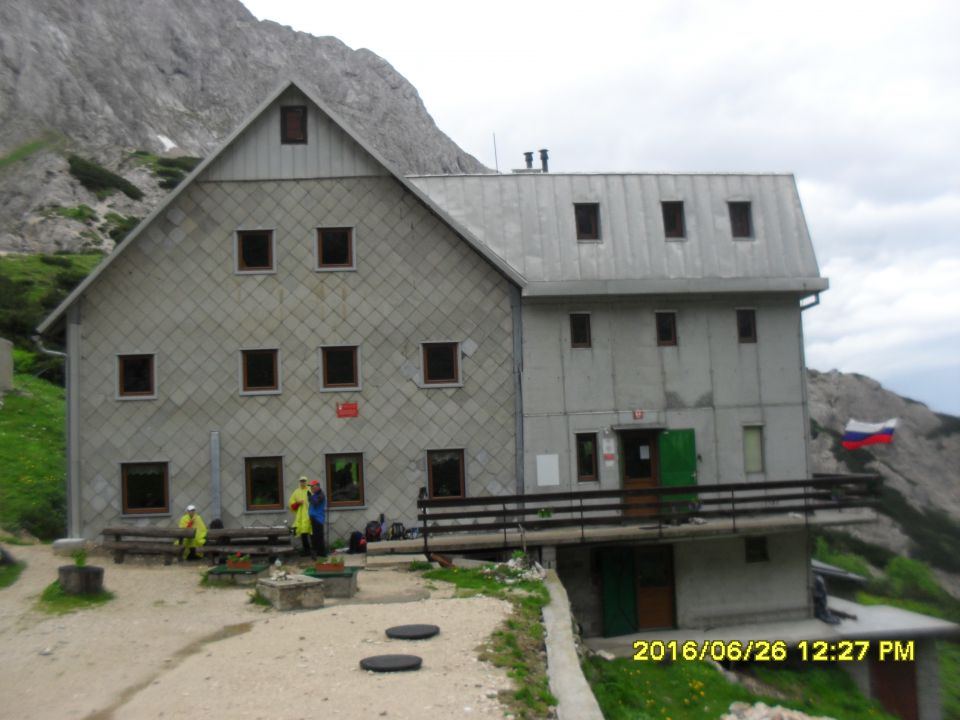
(341, 583)
(296, 593)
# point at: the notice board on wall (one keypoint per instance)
(548, 470)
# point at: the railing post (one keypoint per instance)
(733, 509)
(420, 499)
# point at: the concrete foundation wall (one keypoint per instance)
(714, 585)
(6, 365)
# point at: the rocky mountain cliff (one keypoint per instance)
(920, 515)
(105, 77)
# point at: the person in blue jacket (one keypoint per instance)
(317, 503)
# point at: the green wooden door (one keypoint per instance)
(678, 464)
(619, 591)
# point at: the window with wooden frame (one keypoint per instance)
(441, 363)
(666, 328)
(261, 371)
(587, 457)
(753, 449)
(340, 368)
(145, 488)
(741, 219)
(255, 251)
(755, 549)
(674, 224)
(587, 217)
(747, 326)
(445, 473)
(135, 377)
(293, 125)
(345, 479)
(580, 330)
(335, 248)
(264, 482)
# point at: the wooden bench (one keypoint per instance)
(145, 541)
(271, 542)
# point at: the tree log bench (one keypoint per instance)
(159, 541)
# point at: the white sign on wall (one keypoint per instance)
(548, 470)
(609, 452)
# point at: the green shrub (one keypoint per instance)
(185, 162)
(848, 561)
(100, 180)
(906, 578)
(81, 213)
(119, 226)
(57, 260)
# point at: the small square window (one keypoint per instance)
(345, 479)
(261, 372)
(587, 216)
(334, 248)
(145, 488)
(753, 449)
(580, 330)
(666, 328)
(747, 326)
(264, 483)
(674, 225)
(340, 367)
(293, 125)
(445, 470)
(136, 378)
(755, 549)
(741, 219)
(587, 457)
(441, 363)
(254, 251)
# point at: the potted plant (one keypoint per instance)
(238, 561)
(544, 513)
(331, 563)
(80, 578)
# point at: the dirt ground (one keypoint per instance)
(167, 647)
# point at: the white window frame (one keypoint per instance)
(116, 382)
(236, 251)
(341, 388)
(279, 388)
(759, 427)
(352, 267)
(421, 379)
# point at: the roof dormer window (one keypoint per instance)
(587, 216)
(293, 125)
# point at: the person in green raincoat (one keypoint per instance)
(299, 506)
(193, 520)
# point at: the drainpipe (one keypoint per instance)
(47, 351)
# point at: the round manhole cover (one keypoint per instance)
(412, 632)
(391, 663)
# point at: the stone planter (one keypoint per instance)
(87, 580)
(295, 593)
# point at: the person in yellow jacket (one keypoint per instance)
(193, 520)
(299, 506)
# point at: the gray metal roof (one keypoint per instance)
(528, 220)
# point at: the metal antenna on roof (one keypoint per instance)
(496, 162)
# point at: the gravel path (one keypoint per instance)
(168, 647)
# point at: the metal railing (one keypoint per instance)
(660, 505)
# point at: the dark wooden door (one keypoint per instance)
(655, 593)
(638, 467)
(894, 684)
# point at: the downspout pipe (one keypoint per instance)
(47, 351)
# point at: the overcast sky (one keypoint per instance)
(860, 100)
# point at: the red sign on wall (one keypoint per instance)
(347, 410)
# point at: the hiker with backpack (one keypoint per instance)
(318, 517)
(302, 526)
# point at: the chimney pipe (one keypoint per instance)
(528, 157)
(543, 160)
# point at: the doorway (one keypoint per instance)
(639, 469)
(637, 589)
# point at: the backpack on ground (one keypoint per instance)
(396, 531)
(373, 531)
(358, 543)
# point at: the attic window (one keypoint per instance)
(741, 219)
(255, 251)
(666, 328)
(673, 220)
(293, 125)
(747, 326)
(587, 216)
(335, 248)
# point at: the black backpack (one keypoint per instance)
(373, 531)
(396, 531)
(358, 543)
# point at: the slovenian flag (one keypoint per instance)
(857, 434)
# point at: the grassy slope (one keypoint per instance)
(32, 465)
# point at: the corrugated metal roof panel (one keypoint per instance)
(528, 220)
